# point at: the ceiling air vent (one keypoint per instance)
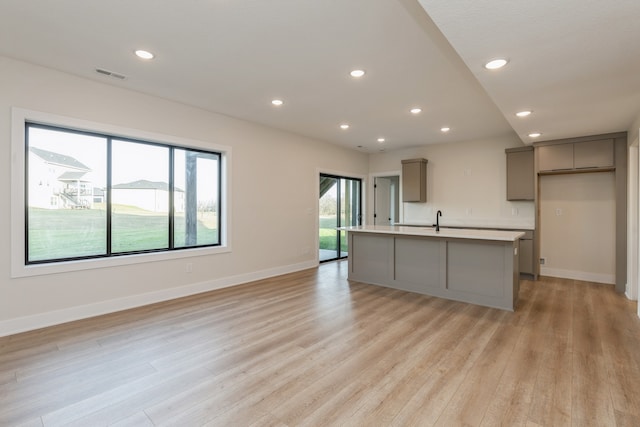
(110, 74)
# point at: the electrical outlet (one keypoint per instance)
(469, 211)
(543, 261)
(558, 211)
(188, 268)
(514, 211)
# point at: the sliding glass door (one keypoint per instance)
(340, 205)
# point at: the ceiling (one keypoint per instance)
(575, 63)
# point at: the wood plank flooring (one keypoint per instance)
(312, 349)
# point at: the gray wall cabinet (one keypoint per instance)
(576, 156)
(555, 157)
(520, 174)
(414, 180)
(593, 154)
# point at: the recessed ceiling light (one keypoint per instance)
(380, 140)
(524, 113)
(416, 110)
(357, 73)
(495, 64)
(535, 134)
(277, 102)
(445, 129)
(344, 126)
(144, 54)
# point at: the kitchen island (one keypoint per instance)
(474, 266)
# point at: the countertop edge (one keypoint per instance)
(452, 233)
(509, 227)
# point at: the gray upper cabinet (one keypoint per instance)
(555, 157)
(593, 154)
(576, 156)
(414, 180)
(520, 174)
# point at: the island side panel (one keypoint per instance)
(512, 275)
(418, 264)
(371, 258)
(481, 272)
(475, 268)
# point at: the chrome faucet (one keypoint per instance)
(438, 215)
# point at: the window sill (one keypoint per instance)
(89, 264)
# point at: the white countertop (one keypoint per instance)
(455, 233)
(493, 225)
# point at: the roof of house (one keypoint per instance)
(72, 176)
(59, 159)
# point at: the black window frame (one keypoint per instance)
(108, 223)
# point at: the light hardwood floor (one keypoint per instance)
(310, 348)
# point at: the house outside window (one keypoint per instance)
(94, 195)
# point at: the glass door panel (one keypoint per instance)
(328, 220)
(349, 209)
(339, 206)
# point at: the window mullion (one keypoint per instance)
(171, 198)
(108, 195)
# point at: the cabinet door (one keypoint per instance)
(414, 180)
(520, 175)
(555, 157)
(593, 154)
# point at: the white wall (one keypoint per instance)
(577, 226)
(465, 180)
(273, 212)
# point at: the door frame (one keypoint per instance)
(371, 190)
(393, 199)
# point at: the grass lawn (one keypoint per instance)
(328, 234)
(68, 233)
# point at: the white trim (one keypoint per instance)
(37, 321)
(18, 268)
(371, 190)
(631, 287)
(637, 221)
(609, 279)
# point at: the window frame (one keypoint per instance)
(19, 266)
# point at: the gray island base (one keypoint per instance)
(473, 266)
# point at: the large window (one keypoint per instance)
(94, 195)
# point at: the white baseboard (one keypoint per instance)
(41, 320)
(609, 279)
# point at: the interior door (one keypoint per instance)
(382, 201)
(386, 200)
